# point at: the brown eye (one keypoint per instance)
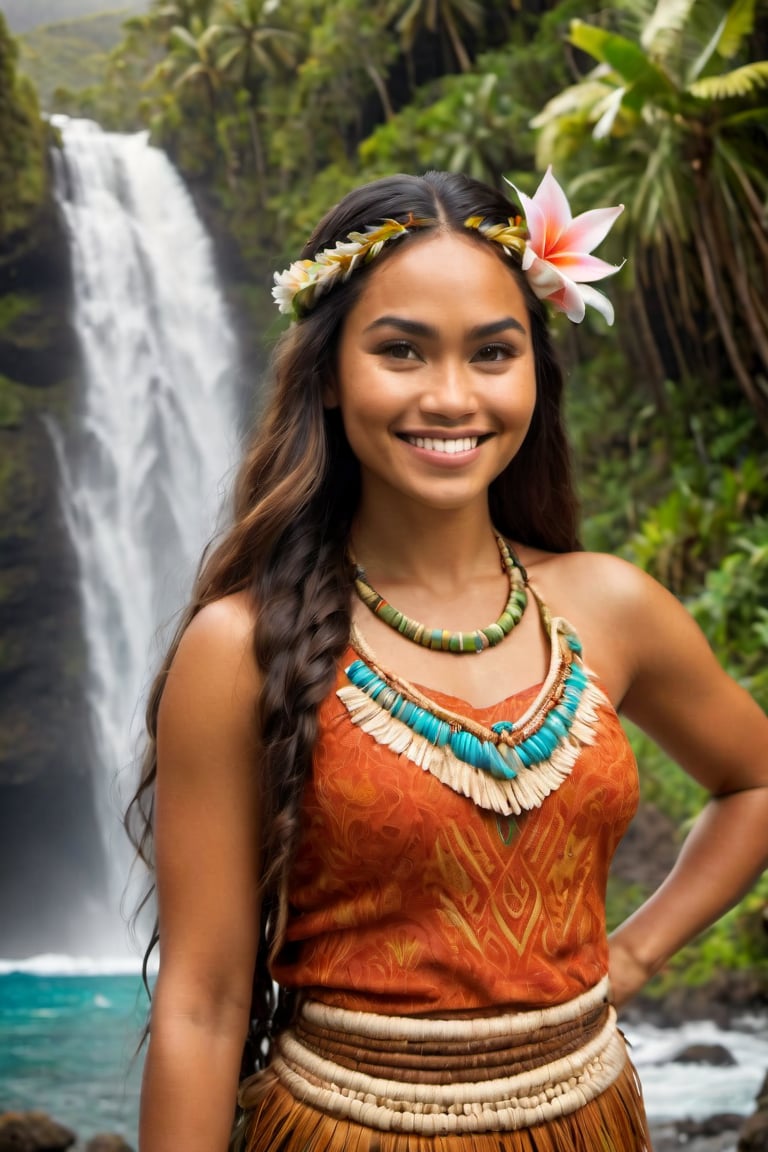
(399, 350)
(494, 353)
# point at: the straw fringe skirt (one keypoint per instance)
(556, 1080)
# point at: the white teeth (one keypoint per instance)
(431, 444)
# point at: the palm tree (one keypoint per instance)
(474, 137)
(674, 124)
(350, 39)
(248, 46)
(248, 49)
(414, 15)
(191, 63)
(168, 14)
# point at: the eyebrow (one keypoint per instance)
(416, 328)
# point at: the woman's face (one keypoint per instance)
(435, 373)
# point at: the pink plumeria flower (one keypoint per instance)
(557, 257)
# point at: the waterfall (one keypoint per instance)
(145, 462)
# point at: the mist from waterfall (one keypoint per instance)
(147, 460)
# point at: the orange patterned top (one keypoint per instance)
(406, 899)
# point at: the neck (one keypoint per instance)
(423, 545)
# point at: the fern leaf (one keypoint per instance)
(740, 82)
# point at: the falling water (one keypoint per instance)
(145, 468)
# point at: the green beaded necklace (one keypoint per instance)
(439, 639)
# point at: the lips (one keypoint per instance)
(451, 446)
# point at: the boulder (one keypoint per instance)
(107, 1142)
(648, 850)
(33, 1132)
(753, 1136)
(714, 1054)
(728, 1122)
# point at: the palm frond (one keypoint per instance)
(627, 59)
(726, 39)
(231, 60)
(740, 82)
(180, 37)
(662, 32)
(747, 119)
(578, 98)
(738, 24)
(604, 125)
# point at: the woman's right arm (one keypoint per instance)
(207, 857)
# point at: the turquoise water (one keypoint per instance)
(68, 1048)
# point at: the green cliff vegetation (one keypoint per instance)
(46, 795)
(36, 357)
(22, 15)
(23, 144)
(24, 194)
(271, 111)
(72, 53)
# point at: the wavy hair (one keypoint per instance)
(294, 501)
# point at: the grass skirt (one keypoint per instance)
(558, 1080)
(613, 1122)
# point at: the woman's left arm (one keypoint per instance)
(681, 697)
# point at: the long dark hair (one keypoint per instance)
(295, 497)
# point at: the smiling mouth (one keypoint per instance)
(442, 444)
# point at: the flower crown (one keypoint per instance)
(553, 247)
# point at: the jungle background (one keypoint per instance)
(271, 110)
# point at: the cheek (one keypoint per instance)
(519, 400)
(367, 399)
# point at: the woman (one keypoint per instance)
(409, 827)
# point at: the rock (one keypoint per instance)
(33, 1132)
(762, 1096)
(107, 1142)
(753, 1136)
(726, 997)
(51, 852)
(676, 1137)
(715, 1054)
(710, 1126)
(648, 850)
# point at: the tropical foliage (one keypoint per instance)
(674, 121)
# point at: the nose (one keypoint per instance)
(450, 391)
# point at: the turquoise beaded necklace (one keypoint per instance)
(440, 639)
(509, 767)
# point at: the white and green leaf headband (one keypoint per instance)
(554, 250)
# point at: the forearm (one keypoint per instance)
(190, 1084)
(722, 857)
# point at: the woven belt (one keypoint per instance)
(485, 1074)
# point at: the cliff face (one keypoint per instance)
(25, 14)
(50, 852)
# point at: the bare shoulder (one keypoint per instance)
(213, 681)
(224, 625)
(592, 583)
(634, 631)
(222, 633)
(656, 665)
